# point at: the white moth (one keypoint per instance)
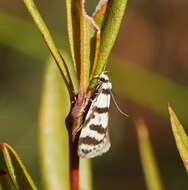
(94, 136)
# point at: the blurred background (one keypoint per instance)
(148, 67)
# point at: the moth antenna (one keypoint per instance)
(118, 108)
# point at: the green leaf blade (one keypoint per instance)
(180, 136)
(53, 135)
(73, 24)
(82, 30)
(88, 29)
(100, 11)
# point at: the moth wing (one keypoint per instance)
(94, 137)
(86, 150)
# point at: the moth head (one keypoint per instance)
(103, 78)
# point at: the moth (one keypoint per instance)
(94, 137)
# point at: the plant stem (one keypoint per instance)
(74, 122)
(74, 165)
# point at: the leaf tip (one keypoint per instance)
(185, 163)
(170, 108)
(141, 128)
(3, 145)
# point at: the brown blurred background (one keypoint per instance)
(154, 35)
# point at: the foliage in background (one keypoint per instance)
(149, 165)
(53, 137)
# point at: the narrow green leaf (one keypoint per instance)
(47, 37)
(180, 136)
(71, 69)
(100, 11)
(98, 17)
(73, 26)
(95, 50)
(149, 164)
(87, 31)
(53, 135)
(81, 31)
(13, 174)
(85, 173)
(110, 25)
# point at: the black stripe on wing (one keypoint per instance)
(105, 91)
(101, 110)
(86, 151)
(89, 141)
(98, 128)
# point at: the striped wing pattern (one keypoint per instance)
(94, 137)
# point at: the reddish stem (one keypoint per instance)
(74, 165)
(74, 122)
